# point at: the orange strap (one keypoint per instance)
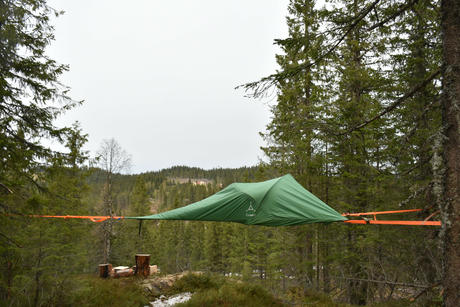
(426, 222)
(381, 212)
(410, 223)
(101, 218)
(92, 218)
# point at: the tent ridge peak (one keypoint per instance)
(276, 182)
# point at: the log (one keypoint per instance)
(142, 265)
(104, 270)
(123, 273)
(153, 269)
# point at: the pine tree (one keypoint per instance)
(31, 96)
(55, 250)
(450, 100)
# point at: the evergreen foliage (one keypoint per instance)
(357, 108)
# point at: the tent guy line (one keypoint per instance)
(277, 202)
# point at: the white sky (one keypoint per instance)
(159, 76)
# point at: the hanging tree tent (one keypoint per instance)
(277, 202)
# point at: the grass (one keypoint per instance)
(94, 291)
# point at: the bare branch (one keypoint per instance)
(5, 188)
(424, 291)
(415, 194)
(386, 282)
(396, 103)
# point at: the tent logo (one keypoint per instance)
(250, 211)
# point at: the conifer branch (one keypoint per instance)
(423, 162)
(261, 86)
(400, 11)
(9, 240)
(411, 132)
(396, 103)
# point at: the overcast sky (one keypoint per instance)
(159, 76)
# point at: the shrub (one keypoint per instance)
(94, 291)
(217, 291)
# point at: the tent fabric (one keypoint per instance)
(277, 202)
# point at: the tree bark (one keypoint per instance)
(104, 270)
(142, 265)
(108, 207)
(450, 101)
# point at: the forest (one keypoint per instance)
(367, 118)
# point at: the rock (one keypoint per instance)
(156, 284)
(163, 301)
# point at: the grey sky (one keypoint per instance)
(159, 76)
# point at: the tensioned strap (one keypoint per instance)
(380, 222)
(381, 212)
(92, 218)
(102, 218)
(410, 223)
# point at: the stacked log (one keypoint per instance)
(142, 268)
(153, 269)
(122, 271)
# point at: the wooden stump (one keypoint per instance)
(104, 270)
(142, 265)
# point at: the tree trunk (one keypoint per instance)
(9, 283)
(317, 264)
(325, 255)
(450, 100)
(108, 210)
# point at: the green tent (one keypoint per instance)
(277, 202)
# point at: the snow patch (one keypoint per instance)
(164, 301)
